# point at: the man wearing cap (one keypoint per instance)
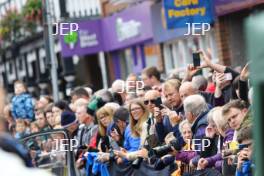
(70, 123)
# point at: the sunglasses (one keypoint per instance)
(146, 102)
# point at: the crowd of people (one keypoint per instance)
(194, 125)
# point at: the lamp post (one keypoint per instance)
(49, 46)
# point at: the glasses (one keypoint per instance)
(146, 102)
(136, 109)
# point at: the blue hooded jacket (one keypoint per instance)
(22, 107)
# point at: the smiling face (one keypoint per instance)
(136, 111)
(149, 99)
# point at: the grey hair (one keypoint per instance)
(184, 122)
(199, 82)
(195, 104)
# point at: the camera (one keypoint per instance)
(136, 163)
(165, 149)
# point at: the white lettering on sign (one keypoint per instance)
(127, 30)
(87, 40)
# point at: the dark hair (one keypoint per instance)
(117, 98)
(146, 88)
(63, 105)
(244, 133)
(121, 114)
(79, 92)
(152, 71)
(238, 104)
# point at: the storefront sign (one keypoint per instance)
(87, 40)
(161, 33)
(129, 27)
(223, 7)
(127, 30)
(180, 12)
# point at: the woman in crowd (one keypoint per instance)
(57, 110)
(218, 134)
(138, 115)
(104, 117)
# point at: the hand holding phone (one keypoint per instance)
(196, 59)
(158, 103)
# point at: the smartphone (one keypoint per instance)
(196, 59)
(228, 76)
(158, 103)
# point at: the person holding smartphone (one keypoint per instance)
(244, 163)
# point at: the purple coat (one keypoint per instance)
(185, 156)
(216, 160)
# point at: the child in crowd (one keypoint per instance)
(21, 129)
(22, 103)
(34, 128)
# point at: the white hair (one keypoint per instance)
(184, 122)
(118, 85)
(195, 104)
(89, 90)
(113, 106)
(217, 117)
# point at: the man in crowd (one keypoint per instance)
(41, 120)
(87, 129)
(70, 123)
(169, 117)
(78, 93)
(196, 110)
(151, 77)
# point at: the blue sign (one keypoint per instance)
(180, 12)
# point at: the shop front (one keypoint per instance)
(177, 46)
(128, 40)
(81, 52)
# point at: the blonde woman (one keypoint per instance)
(132, 143)
(104, 118)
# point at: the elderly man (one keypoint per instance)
(87, 129)
(196, 110)
(188, 88)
